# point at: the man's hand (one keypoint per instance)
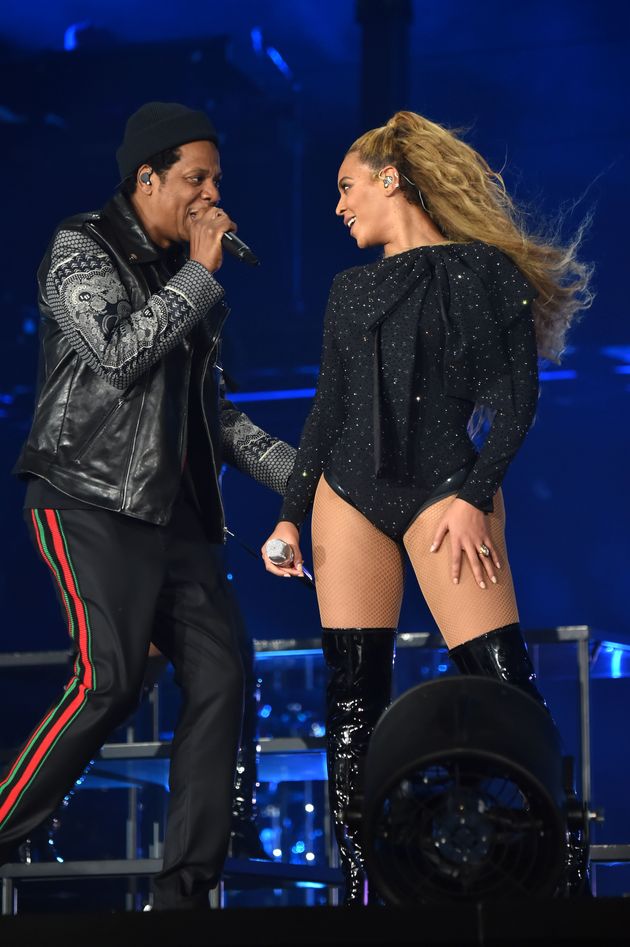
(206, 229)
(288, 533)
(466, 526)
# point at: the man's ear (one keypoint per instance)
(144, 177)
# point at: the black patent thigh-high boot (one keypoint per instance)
(359, 690)
(502, 654)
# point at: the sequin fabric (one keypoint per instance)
(411, 343)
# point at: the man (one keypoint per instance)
(123, 500)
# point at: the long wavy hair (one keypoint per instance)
(468, 201)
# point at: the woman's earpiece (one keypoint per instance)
(145, 177)
(388, 179)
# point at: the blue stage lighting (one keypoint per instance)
(279, 61)
(70, 37)
(10, 117)
(283, 394)
(302, 652)
(620, 352)
(257, 39)
(55, 121)
(616, 660)
(561, 374)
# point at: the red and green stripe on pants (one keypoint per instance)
(50, 538)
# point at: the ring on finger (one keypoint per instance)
(484, 551)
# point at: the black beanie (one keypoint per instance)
(157, 126)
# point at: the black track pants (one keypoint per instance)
(123, 583)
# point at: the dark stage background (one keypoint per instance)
(542, 89)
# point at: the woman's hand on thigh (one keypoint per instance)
(469, 535)
(287, 533)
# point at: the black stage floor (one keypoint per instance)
(588, 922)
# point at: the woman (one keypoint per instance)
(419, 349)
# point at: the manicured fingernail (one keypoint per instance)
(498, 565)
(286, 576)
(482, 585)
(455, 581)
(432, 549)
(493, 579)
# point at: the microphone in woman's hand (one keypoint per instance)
(279, 552)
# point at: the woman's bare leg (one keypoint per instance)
(358, 569)
(463, 611)
(359, 577)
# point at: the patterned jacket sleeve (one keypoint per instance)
(93, 310)
(323, 424)
(254, 452)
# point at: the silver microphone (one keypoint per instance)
(279, 552)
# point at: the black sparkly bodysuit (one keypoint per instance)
(411, 344)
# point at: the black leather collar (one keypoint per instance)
(137, 246)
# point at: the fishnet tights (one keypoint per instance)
(359, 572)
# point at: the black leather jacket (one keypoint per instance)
(129, 386)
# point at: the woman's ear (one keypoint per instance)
(389, 176)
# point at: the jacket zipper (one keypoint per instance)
(217, 332)
(184, 435)
(213, 345)
(205, 421)
(98, 430)
(133, 447)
